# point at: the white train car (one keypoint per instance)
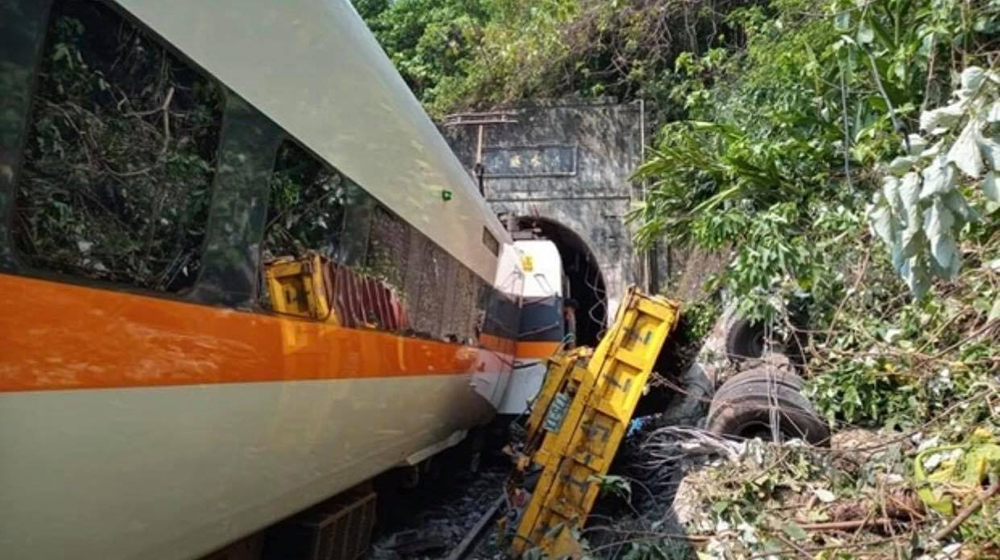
(153, 155)
(542, 328)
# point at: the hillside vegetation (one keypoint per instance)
(844, 151)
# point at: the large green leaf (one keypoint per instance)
(881, 221)
(915, 145)
(910, 192)
(939, 177)
(901, 165)
(963, 213)
(993, 113)
(890, 192)
(941, 120)
(971, 79)
(964, 153)
(990, 151)
(938, 222)
(990, 188)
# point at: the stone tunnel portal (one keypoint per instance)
(565, 166)
(586, 282)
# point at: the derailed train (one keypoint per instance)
(152, 403)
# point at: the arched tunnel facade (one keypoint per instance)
(563, 170)
(586, 285)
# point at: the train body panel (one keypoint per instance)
(128, 435)
(143, 421)
(314, 68)
(176, 472)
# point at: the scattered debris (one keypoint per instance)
(438, 515)
(677, 490)
(858, 498)
(408, 544)
(476, 533)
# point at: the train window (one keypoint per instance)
(22, 30)
(459, 315)
(307, 205)
(120, 155)
(491, 242)
(435, 278)
(424, 285)
(388, 247)
(231, 260)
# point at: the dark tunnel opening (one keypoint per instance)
(586, 283)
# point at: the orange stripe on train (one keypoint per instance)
(535, 349)
(59, 336)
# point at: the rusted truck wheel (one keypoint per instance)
(745, 339)
(748, 341)
(751, 403)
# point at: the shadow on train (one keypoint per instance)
(586, 283)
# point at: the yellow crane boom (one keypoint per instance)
(579, 419)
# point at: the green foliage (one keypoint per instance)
(119, 165)
(865, 392)
(920, 214)
(370, 9)
(781, 134)
(698, 319)
(306, 210)
(716, 187)
(886, 359)
(701, 171)
(613, 484)
(458, 55)
(429, 41)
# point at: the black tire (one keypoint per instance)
(743, 410)
(745, 340)
(763, 373)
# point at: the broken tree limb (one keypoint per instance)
(850, 524)
(967, 511)
(794, 547)
(838, 546)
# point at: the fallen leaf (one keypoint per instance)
(824, 496)
(792, 529)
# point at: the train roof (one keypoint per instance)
(315, 69)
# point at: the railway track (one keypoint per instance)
(472, 542)
(443, 517)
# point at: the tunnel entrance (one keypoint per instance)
(586, 283)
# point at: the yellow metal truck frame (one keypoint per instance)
(580, 417)
(296, 287)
